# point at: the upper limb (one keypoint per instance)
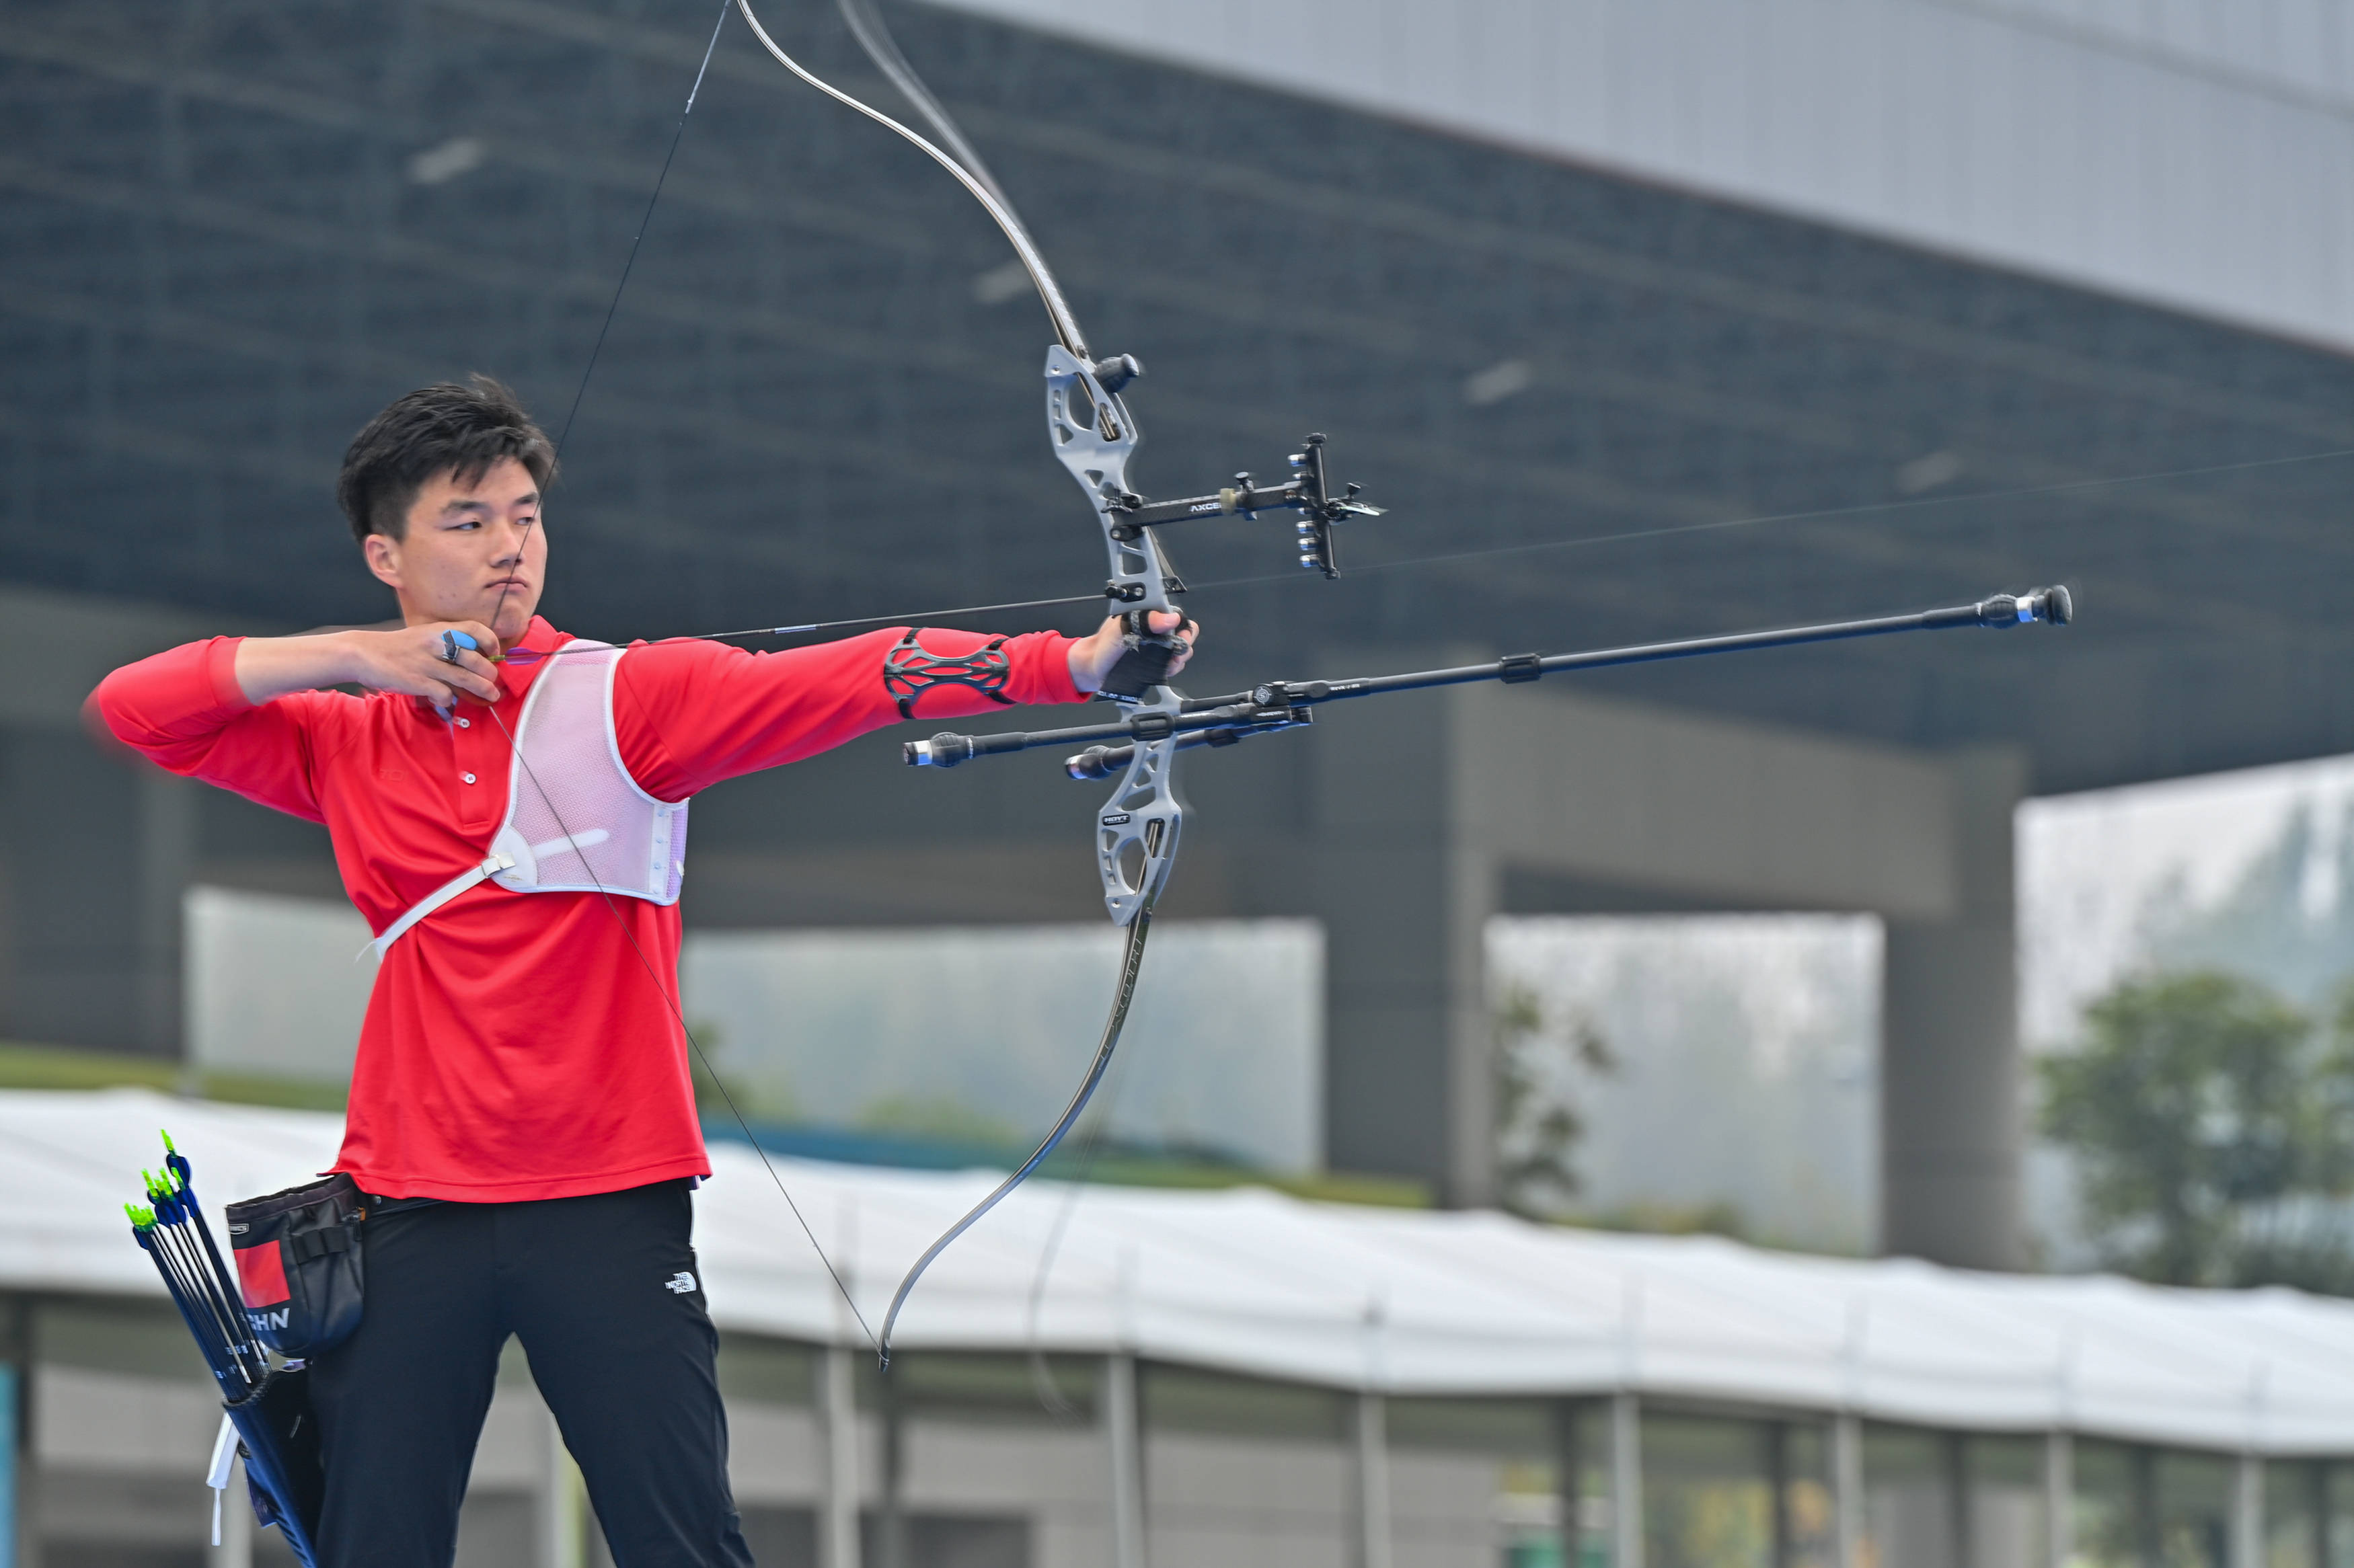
(183, 710)
(245, 712)
(691, 714)
(414, 660)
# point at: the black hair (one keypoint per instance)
(441, 429)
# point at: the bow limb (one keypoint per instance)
(981, 188)
(1131, 964)
(1093, 435)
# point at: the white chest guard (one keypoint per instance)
(576, 822)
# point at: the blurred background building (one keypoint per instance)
(1643, 319)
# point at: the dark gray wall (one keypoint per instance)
(217, 258)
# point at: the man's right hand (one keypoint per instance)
(414, 662)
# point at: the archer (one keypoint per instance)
(523, 1069)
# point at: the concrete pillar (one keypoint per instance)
(1404, 901)
(1956, 1454)
(12, 1532)
(1124, 1446)
(837, 1418)
(1950, 1104)
(1779, 1542)
(892, 1549)
(1569, 1479)
(1626, 1482)
(1434, 810)
(2248, 1514)
(1369, 1474)
(2319, 1502)
(1846, 1493)
(2059, 1498)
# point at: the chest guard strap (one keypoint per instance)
(576, 821)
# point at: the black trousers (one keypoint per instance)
(604, 1293)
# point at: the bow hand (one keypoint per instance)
(1131, 654)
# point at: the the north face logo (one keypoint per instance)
(679, 1284)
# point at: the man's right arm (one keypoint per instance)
(212, 711)
(413, 662)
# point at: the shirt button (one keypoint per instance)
(465, 724)
(467, 776)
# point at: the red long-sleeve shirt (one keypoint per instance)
(516, 1047)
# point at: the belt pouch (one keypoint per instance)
(298, 1264)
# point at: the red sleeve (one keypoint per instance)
(182, 710)
(689, 715)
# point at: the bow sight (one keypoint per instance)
(1093, 436)
(1306, 492)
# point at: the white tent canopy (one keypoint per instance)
(1394, 1301)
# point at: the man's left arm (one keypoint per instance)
(689, 715)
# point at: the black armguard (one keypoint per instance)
(910, 670)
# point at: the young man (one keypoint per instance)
(522, 1060)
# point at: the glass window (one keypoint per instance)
(1236, 1469)
(2308, 1514)
(1813, 1521)
(2111, 1526)
(1706, 1501)
(1723, 1492)
(2006, 1501)
(2335, 1514)
(1588, 1494)
(1910, 1481)
(2295, 1496)
(1477, 1481)
(2192, 1506)
(1010, 1391)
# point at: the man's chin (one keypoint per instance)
(510, 620)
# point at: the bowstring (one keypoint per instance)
(564, 434)
(1091, 1147)
(645, 222)
(1115, 1022)
(1586, 541)
(620, 285)
(528, 657)
(678, 1014)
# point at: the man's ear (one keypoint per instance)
(383, 553)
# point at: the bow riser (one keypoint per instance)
(1093, 436)
(1136, 835)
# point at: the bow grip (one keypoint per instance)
(1145, 664)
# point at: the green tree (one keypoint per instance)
(2212, 1123)
(1537, 1124)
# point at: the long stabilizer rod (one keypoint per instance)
(1280, 705)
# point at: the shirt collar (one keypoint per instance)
(539, 636)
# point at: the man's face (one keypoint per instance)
(472, 551)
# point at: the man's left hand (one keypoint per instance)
(1093, 657)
